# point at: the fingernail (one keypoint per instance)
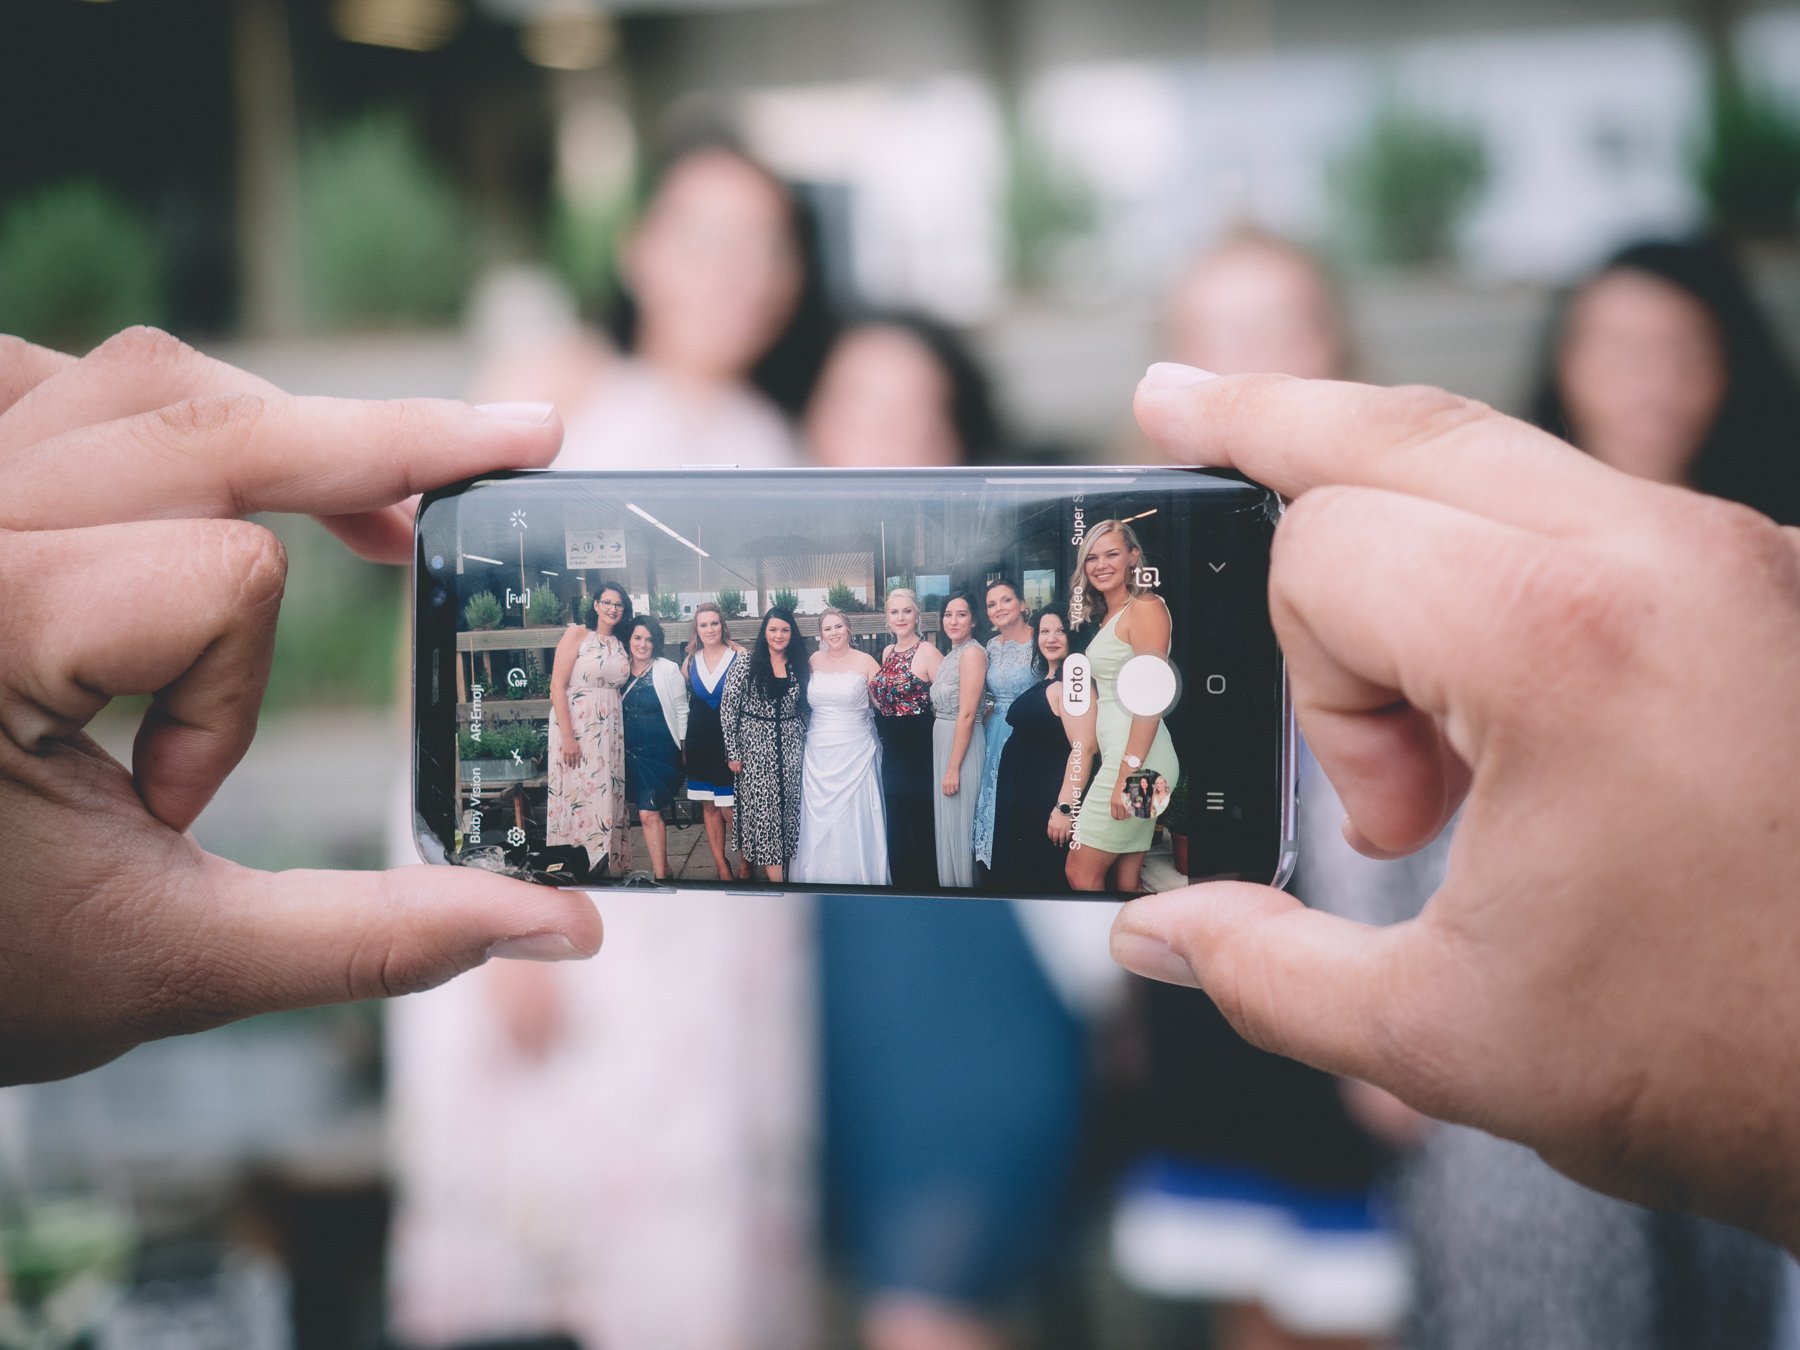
(1170, 375)
(536, 947)
(1152, 958)
(532, 414)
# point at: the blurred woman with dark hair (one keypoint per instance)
(1661, 365)
(900, 390)
(951, 1121)
(716, 335)
(764, 718)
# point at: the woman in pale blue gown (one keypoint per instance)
(1009, 674)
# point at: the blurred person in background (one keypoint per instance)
(716, 336)
(1256, 1189)
(629, 1159)
(655, 704)
(951, 1121)
(1660, 365)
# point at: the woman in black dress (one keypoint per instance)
(763, 714)
(1031, 828)
(901, 694)
(656, 714)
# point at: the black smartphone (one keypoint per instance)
(1020, 682)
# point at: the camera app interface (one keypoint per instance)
(931, 683)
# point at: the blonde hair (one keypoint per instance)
(826, 613)
(1083, 608)
(694, 642)
(906, 593)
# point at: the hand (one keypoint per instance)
(571, 751)
(124, 473)
(1060, 828)
(952, 781)
(735, 765)
(1609, 670)
(1121, 801)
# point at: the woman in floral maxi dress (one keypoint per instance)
(587, 737)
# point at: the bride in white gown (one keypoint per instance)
(843, 834)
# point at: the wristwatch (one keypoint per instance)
(1065, 808)
(1133, 762)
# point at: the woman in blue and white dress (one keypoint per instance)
(710, 653)
(843, 829)
(1009, 673)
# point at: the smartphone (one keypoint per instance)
(761, 680)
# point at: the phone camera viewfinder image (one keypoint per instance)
(1014, 683)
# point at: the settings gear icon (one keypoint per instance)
(515, 836)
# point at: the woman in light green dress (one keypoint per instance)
(1108, 841)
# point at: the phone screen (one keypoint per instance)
(1017, 683)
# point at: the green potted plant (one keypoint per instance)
(786, 599)
(483, 612)
(546, 610)
(665, 605)
(731, 601)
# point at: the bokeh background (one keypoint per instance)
(372, 197)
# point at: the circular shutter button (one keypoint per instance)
(1147, 686)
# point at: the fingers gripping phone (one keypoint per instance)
(1006, 683)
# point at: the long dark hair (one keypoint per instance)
(786, 373)
(621, 629)
(979, 435)
(1038, 661)
(1751, 454)
(762, 669)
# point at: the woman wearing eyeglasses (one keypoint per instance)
(587, 736)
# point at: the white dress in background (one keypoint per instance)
(645, 1184)
(843, 833)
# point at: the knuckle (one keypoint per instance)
(383, 966)
(254, 558)
(143, 347)
(212, 416)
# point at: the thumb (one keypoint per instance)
(330, 937)
(1315, 987)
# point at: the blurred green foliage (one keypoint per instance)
(546, 610)
(342, 626)
(1047, 208)
(1405, 188)
(384, 238)
(840, 596)
(1748, 165)
(786, 599)
(731, 601)
(665, 605)
(531, 739)
(77, 263)
(583, 245)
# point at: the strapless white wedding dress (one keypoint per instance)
(843, 832)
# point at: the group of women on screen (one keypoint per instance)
(837, 769)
